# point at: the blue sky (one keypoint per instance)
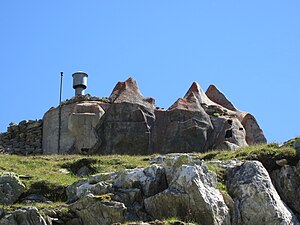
(249, 49)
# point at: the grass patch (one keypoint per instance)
(221, 176)
(45, 176)
(39, 206)
(48, 167)
(177, 221)
(75, 166)
(52, 191)
(290, 143)
(168, 221)
(105, 197)
(267, 154)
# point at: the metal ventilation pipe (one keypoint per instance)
(79, 82)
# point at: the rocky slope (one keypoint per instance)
(181, 185)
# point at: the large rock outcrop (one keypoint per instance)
(256, 200)
(128, 123)
(176, 185)
(176, 188)
(287, 183)
(191, 195)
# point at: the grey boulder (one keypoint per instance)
(287, 183)
(25, 216)
(11, 188)
(256, 200)
(191, 194)
(150, 180)
(94, 211)
(96, 185)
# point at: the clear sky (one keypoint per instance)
(249, 49)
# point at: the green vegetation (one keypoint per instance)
(267, 154)
(221, 176)
(105, 197)
(54, 169)
(168, 221)
(50, 175)
(47, 175)
(177, 221)
(216, 114)
(49, 167)
(291, 142)
(39, 206)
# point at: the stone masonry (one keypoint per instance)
(23, 139)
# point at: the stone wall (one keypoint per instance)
(24, 138)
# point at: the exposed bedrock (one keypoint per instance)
(256, 199)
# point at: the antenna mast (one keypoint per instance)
(59, 111)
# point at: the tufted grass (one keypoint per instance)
(44, 172)
(48, 167)
(168, 221)
(45, 167)
(39, 206)
(267, 154)
(221, 176)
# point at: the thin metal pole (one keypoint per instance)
(61, 83)
(59, 111)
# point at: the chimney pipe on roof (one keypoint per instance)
(79, 82)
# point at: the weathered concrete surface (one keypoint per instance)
(254, 134)
(128, 123)
(78, 121)
(128, 91)
(179, 130)
(82, 124)
(214, 94)
(125, 127)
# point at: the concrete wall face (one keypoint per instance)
(128, 123)
(78, 122)
(51, 130)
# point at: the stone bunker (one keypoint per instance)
(129, 123)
